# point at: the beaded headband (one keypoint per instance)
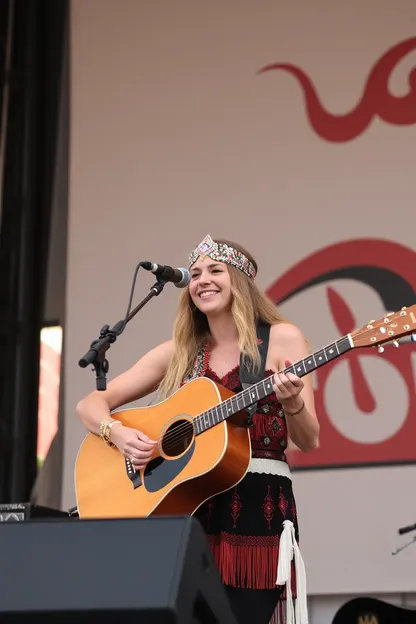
(223, 253)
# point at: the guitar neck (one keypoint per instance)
(264, 388)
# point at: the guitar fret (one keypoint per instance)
(267, 386)
(309, 364)
(331, 352)
(223, 412)
(298, 370)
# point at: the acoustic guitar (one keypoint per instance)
(202, 448)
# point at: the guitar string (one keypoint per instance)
(178, 434)
(175, 435)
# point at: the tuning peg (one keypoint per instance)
(381, 349)
(396, 344)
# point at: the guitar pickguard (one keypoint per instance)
(160, 472)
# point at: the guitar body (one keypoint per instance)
(185, 470)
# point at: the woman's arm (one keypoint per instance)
(296, 396)
(135, 383)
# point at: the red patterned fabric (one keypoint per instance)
(244, 524)
(269, 431)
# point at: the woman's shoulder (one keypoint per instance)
(164, 349)
(159, 356)
(287, 342)
(285, 332)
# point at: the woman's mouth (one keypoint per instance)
(207, 293)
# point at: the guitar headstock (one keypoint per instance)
(390, 328)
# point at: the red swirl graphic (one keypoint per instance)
(384, 266)
(375, 101)
(346, 323)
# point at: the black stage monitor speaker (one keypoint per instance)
(155, 570)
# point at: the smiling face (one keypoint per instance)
(210, 286)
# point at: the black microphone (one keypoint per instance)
(179, 277)
(407, 529)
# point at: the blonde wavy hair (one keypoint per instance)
(191, 328)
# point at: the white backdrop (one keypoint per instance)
(174, 135)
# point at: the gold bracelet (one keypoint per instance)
(105, 429)
(297, 411)
(103, 425)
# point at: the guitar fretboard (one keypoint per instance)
(263, 388)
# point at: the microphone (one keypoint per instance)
(179, 277)
(407, 529)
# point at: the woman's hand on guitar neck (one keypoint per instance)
(288, 388)
(133, 444)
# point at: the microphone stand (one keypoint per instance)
(401, 532)
(99, 346)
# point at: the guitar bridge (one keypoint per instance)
(133, 474)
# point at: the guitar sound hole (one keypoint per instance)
(177, 438)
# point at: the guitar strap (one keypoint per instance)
(247, 378)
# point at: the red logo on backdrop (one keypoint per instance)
(375, 101)
(388, 268)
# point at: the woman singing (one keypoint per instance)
(252, 528)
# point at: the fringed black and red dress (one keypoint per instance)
(244, 525)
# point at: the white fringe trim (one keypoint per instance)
(289, 549)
